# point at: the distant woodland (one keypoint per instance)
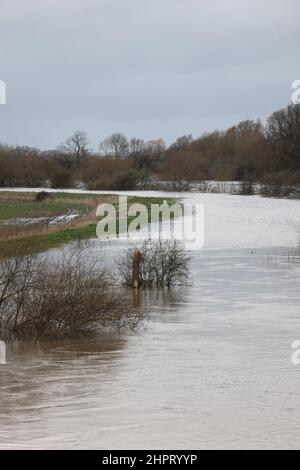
(246, 152)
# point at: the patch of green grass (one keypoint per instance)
(31, 210)
(83, 232)
(14, 205)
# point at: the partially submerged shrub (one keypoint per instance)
(281, 185)
(246, 188)
(52, 299)
(162, 263)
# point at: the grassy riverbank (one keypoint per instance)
(17, 209)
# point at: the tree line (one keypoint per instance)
(247, 152)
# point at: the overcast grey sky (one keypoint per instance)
(148, 68)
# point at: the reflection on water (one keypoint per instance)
(210, 369)
(289, 256)
(38, 371)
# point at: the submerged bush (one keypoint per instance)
(246, 188)
(53, 299)
(161, 263)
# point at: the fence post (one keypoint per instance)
(136, 263)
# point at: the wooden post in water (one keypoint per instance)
(136, 263)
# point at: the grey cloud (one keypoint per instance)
(156, 68)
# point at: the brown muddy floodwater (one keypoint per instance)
(210, 368)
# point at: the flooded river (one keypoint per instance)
(210, 368)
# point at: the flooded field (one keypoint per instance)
(210, 368)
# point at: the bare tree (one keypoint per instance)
(283, 130)
(150, 154)
(137, 146)
(183, 141)
(155, 148)
(77, 145)
(116, 145)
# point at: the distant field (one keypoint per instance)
(14, 205)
